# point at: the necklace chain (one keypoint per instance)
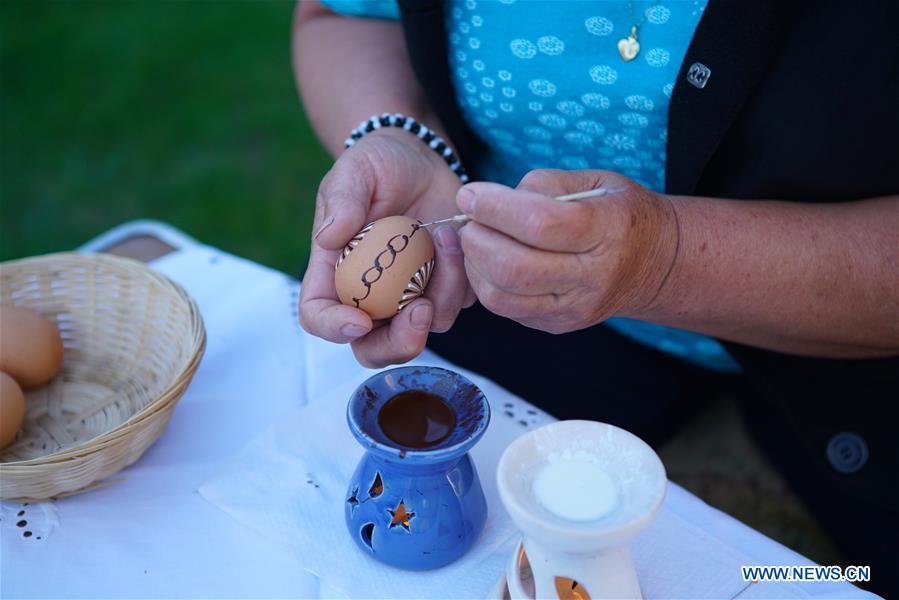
(636, 25)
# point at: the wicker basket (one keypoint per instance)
(133, 340)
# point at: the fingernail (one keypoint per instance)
(325, 225)
(421, 317)
(465, 200)
(352, 330)
(448, 239)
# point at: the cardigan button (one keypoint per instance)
(698, 74)
(847, 452)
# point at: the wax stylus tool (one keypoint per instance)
(564, 198)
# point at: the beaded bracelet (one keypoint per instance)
(412, 126)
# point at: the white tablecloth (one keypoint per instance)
(152, 535)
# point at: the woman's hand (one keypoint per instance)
(387, 172)
(561, 266)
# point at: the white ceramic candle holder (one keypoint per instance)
(579, 491)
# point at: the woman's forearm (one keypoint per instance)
(809, 279)
(348, 69)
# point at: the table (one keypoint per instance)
(151, 534)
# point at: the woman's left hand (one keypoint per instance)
(562, 266)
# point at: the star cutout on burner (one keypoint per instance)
(353, 499)
(399, 516)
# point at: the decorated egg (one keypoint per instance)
(385, 266)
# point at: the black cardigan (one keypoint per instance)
(802, 104)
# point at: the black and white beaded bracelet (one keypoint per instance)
(433, 140)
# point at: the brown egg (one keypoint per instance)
(30, 347)
(12, 409)
(385, 266)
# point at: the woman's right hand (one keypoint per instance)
(387, 172)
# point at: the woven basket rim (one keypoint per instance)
(163, 399)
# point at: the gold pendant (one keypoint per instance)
(629, 47)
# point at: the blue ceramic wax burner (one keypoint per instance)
(413, 507)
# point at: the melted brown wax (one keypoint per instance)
(416, 419)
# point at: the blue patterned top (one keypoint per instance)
(544, 86)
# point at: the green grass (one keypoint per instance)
(180, 111)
